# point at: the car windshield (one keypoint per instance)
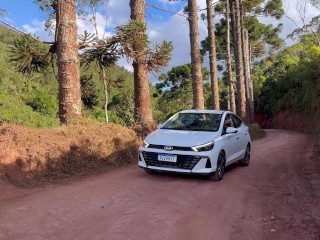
(194, 122)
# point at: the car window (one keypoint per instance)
(236, 121)
(227, 123)
(194, 122)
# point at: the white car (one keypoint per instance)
(197, 142)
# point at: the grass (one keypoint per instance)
(87, 147)
(255, 131)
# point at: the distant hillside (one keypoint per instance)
(31, 99)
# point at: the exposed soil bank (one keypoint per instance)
(298, 121)
(32, 156)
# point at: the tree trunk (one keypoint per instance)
(197, 84)
(213, 56)
(105, 85)
(232, 100)
(143, 108)
(70, 105)
(251, 117)
(249, 80)
(239, 62)
(246, 63)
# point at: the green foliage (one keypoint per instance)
(274, 8)
(174, 92)
(289, 80)
(160, 57)
(29, 56)
(43, 102)
(29, 99)
(104, 53)
(123, 107)
(89, 93)
(14, 110)
(134, 42)
(132, 38)
(261, 37)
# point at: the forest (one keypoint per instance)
(251, 70)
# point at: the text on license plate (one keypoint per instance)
(167, 157)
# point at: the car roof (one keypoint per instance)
(205, 111)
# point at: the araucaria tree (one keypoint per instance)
(197, 83)
(237, 33)
(143, 108)
(134, 44)
(213, 56)
(70, 106)
(229, 61)
(65, 46)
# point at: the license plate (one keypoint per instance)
(167, 158)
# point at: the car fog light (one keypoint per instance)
(208, 163)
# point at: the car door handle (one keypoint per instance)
(246, 134)
(237, 137)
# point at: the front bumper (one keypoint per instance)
(187, 162)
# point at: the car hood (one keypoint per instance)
(180, 138)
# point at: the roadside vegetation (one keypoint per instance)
(37, 156)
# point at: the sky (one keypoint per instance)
(26, 15)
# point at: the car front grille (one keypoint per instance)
(186, 162)
(177, 148)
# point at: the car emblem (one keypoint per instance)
(168, 148)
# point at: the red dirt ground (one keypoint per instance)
(276, 197)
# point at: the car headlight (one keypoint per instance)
(145, 144)
(203, 147)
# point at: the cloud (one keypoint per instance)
(37, 28)
(102, 25)
(119, 11)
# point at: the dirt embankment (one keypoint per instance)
(29, 156)
(296, 121)
(307, 122)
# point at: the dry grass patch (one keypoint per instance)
(83, 148)
(255, 131)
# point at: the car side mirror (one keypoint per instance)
(231, 130)
(160, 125)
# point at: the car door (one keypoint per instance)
(230, 141)
(240, 143)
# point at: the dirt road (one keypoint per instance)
(276, 197)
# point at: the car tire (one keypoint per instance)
(246, 160)
(221, 164)
(149, 171)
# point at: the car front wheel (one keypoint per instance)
(221, 164)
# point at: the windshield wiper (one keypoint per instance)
(174, 128)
